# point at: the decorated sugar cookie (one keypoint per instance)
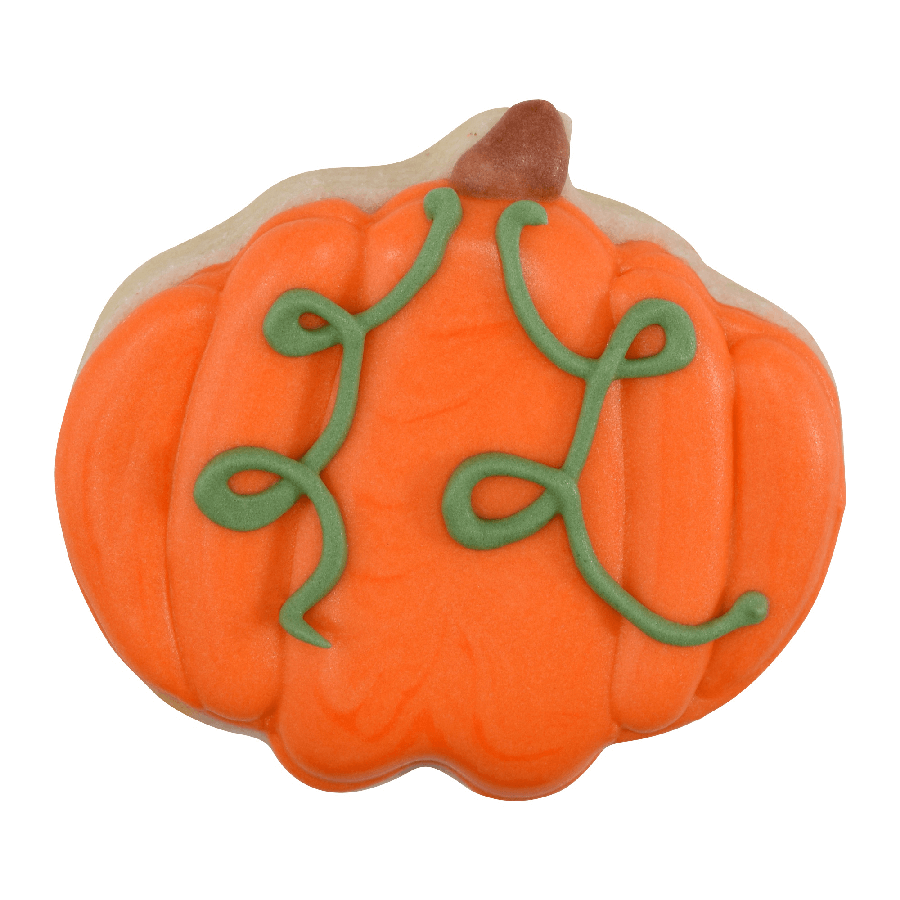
(448, 463)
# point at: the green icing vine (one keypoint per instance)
(298, 478)
(561, 494)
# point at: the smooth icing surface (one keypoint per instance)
(499, 665)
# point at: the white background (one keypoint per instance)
(761, 132)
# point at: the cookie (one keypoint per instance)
(448, 463)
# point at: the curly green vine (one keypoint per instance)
(561, 494)
(298, 478)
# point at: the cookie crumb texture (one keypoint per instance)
(501, 666)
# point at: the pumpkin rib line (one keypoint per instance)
(619, 620)
(284, 675)
(168, 591)
(732, 535)
(283, 635)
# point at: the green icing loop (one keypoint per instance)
(285, 334)
(561, 494)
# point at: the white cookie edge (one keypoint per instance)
(370, 188)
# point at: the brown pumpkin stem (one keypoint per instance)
(525, 156)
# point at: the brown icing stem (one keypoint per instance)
(525, 156)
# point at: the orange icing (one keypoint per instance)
(501, 667)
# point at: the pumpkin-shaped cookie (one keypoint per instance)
(455, 479)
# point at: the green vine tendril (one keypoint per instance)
(298, 478)
(561, 494)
